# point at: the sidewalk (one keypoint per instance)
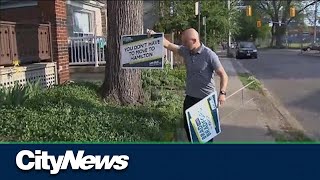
(311, 53)
(239, 122)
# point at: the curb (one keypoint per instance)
(310, 54)
(293, 122)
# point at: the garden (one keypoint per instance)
(75, 112)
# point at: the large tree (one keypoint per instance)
(122, 86)
(178, 15)
(278, 11)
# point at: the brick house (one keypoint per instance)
(66, 19)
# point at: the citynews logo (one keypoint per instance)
(40, 160)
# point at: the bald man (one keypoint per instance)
(202, 64)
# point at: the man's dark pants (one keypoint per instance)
(188, 102)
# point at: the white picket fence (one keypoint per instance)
(87, 50)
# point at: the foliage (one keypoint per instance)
(248, 26)
(167, 78)
(18, 94)
(278, 11)
(75, 112)
(290, 135)
(179, 15)
(165, 89)
(246, 78)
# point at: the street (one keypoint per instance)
(294, 80)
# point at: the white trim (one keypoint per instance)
(95, 3)
(19, 4)
(74, 3)
(90, 3)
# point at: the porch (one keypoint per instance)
(26, 54)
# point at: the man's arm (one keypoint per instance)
(223, 78)
(170, 46)
(167, 44)
(223, 84)
(218, 68)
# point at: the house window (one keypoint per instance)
(82, 23)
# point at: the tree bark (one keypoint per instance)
(120, 85)
(272, 36)
(278, 34)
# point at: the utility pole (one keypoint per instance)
(315, 22)
(204, 19)
(197, 13)
(199, 18)
(301, 37)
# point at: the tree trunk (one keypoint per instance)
(272, 36)
(278, 36)
(280, 33)
(122, 86)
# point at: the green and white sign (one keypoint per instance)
(203, 119)
(142, 52)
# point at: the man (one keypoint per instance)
(201, 63)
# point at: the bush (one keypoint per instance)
(75, 113)
(18, 94)
(168, 96)
(167, 78)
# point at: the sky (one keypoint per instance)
(312, 8)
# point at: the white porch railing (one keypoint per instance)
(87, 50)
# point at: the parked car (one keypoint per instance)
(246, 50)
(313, 46)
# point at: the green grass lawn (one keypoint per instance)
(75, 113)
(297, 45)
(246, 78)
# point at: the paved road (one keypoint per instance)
(295, 80)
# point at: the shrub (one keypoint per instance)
(18, 94)
(167, 78)
(75, 113)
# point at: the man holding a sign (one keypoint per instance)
(202, 64)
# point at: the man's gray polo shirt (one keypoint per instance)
(201, 66)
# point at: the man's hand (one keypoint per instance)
(221, 99)
(150, 32)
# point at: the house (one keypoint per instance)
(20, 16)
(83, 17)
(48, 36)
(86, 23)
(38, 33)
(86, 18)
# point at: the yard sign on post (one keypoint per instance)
(142, 52)
(203, 119)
